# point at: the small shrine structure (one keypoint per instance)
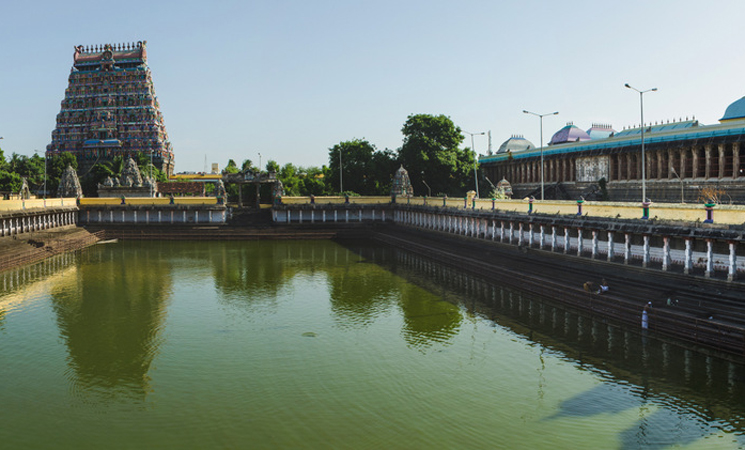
(129, 184)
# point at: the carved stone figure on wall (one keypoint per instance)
(132, 173)
(219, 189)
(69, 184)
(24, 193)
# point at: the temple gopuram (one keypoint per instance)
(110, 109)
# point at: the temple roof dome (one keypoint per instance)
(570, 133)
(600, 131)
(736, 110)
(516, 143)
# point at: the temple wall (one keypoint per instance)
(592, 168)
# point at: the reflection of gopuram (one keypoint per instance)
(111, 329)
(110, 109)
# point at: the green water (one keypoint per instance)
(322, 345)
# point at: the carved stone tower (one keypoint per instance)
(110, 109)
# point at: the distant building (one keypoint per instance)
(681, 156)
(110, 109)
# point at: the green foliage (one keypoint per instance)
(231, 167)
(364, 170)
(272, 166)
(147, 169)
(31, 168)
(9, 181)
(247, 165)
(299, 181)
(56, 166)
(430, 152)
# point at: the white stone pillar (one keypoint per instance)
(610, 246)
(493, 230)
(359, 215)
(732, 273)
(501, 231)
(520, 235)
(709, 258)
(594, 244)
(196, 216)
(336, 216)
(147, 216)
(627, 248)
(530, 235)
(135, 216)
(566, 240)
(553, 238)
(300, 216)
(346, 216)
(645, 251)
(665, 253)
(542, 237)
(580, 242)
(512, 232)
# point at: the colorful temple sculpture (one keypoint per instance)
(684, 160)
(401, 186)
(110, 109)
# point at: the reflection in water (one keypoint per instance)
(110, 318)
(19, 284)
(356, 348)
(651, 369)
(359, 289)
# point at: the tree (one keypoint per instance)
(272, 166)
(231, 167)
(430, 152)
(364, 170)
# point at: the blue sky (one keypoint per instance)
(289, 79)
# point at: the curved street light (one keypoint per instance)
(540, 116)
(475, 160)
(644, 157)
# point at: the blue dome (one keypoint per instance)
(735, 111)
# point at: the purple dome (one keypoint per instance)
(570, 133)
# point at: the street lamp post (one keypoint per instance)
(341, 180)
(540, 116)
(259, 163)
(429, 190)
(152, 177)
(475, 161)
(45, 176)
(644, 157)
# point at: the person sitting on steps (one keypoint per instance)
(603, 287)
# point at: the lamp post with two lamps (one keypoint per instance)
(541, 116)
(475, 160)
(644, 157)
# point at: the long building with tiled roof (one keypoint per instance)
(683, 159)
(110, 109)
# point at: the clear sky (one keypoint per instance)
(289, 79)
